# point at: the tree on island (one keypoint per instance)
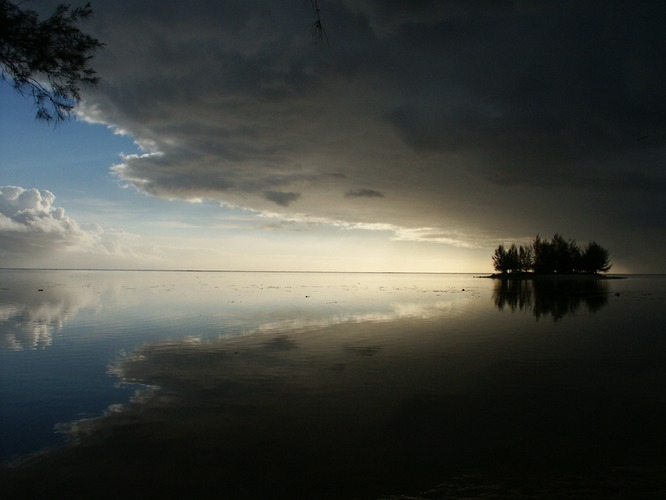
(557, 256)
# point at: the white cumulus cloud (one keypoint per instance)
(29, 220)
(34, 232)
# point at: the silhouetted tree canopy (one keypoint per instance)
(557, 256)
(594, 259)
(512, 260)
(47, 60)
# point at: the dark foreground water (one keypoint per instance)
(277, 385)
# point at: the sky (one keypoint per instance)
(416, 138)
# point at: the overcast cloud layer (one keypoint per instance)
(469, 123)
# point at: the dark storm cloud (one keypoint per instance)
(539, 93)
(364, 193)
(488, 120)
(281, 198)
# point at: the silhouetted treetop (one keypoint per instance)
(47, 60)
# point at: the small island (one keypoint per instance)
(558, 257)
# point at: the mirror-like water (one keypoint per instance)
(287, 385)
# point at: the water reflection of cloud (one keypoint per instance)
(375, 400)
(250, 384)
(427, 309)
(35, 306)
(359, 399)
(239, 303)
(364, 351)
(29, 321)
(24, 328)
(280, 343)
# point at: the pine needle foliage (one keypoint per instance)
(47, 60)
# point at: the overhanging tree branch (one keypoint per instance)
(47, 60)
(318, 32)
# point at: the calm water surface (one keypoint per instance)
(303, 385)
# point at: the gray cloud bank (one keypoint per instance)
(488, 120)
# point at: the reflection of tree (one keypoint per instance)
(555, 297)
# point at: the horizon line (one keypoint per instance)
(193, 270)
